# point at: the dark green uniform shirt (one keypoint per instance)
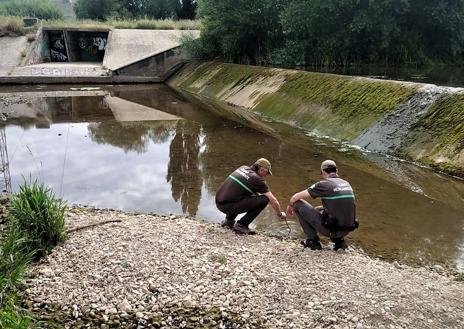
(337, 199)
(243, 182)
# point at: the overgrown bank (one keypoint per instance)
(11, 26)
(428, 129)
(34, 224)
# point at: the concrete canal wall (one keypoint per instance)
(424, 123)
(79, 55)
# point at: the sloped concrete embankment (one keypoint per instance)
(419, 122)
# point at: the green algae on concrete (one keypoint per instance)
(437, 139)
(210, 79)
(342, 107)
(339, 106)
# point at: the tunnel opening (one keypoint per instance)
(74, 45)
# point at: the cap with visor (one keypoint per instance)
(328, 164)
(265, 164)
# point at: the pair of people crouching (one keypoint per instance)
(246, 191)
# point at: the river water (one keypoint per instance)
(147, 148)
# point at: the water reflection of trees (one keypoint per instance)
(229, 147)
(183, 169)
(131, 136)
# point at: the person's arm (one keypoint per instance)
(297, 196)
(276, 205)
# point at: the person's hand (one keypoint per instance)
(290, 210)
(283, 215)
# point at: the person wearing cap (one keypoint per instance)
(337, 215)
(246, 191)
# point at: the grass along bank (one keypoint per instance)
(14, 26)
(35, 225)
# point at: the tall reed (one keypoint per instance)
(39, 217)
(35, 225)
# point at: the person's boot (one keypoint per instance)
(313, 244)
(228, 223)
(339, 243)
(242, 229)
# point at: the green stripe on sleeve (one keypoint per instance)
(241, 184)
(335, 197)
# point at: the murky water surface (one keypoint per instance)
(149, 149)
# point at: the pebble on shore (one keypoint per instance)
(174, 272)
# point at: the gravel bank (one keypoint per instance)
(171, 272)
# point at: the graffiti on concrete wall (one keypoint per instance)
(58, 51)
(63, 72)
(92, 46)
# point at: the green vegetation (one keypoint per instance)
(316, 101)
(328, 102)
(135, 9)
(339, 106)
(147, 24)
(11, 26)
(35, 225)
(39, 216)
(43, 9)
(445, 121)
(106, 14)
(447, 118)
(332, 32)
(218, 258)
(14, 26)
(66, 8)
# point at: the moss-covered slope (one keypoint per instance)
(437, 139)
(339, 106)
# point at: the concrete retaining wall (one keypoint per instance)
(160, 66)
(426, 129)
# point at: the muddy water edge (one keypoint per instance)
(150, 149)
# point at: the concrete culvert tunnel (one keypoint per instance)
(76, 55)
(76, 46)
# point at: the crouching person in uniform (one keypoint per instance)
(337, 215)
(246, 191)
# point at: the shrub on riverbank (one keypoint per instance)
(11, 26)
(35, 225)
(146, 24)
(14, 259)
(332, 32)
(43, 9)
(39, 217)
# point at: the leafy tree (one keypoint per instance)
(162, 8)
(94, 9)
(134, 9)
(440, 26)
(241, 30)
(332, 32)
(187, 9)
(363, 31)
(43, 9)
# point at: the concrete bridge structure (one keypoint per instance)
(93, 56)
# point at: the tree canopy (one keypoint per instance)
(134, 9)
(43, 9)
(307, 32)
